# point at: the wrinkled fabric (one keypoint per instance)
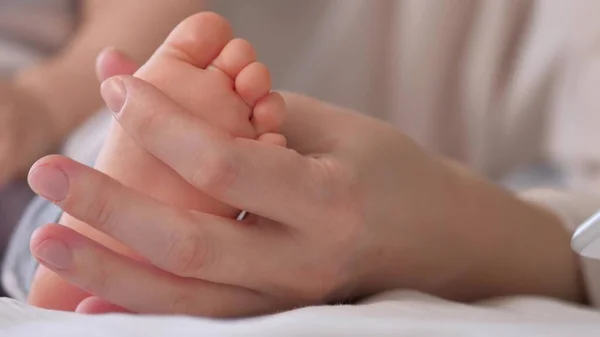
(395, 314)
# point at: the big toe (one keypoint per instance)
(199, 39)
(178, 68)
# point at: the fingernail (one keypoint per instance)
(54, 253)
(50, 182)
(114, 93)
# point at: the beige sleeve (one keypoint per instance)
(573, 209)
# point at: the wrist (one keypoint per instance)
(515, 247)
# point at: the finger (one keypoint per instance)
(310, 125)
(95, 306)
(183, 243)
(261, 178)
(273, 138)
(111, 62)
(137, 287)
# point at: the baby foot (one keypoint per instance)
(217, 78)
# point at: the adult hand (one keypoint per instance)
(26, 131)
(351, 208)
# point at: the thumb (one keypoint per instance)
(111, 62)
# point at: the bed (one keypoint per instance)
(391, 314)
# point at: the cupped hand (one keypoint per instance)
(26, 131)
(350, 208)
(325, 219)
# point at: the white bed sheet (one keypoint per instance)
(392, 314)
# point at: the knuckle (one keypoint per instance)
(329, 175)
(99, 283)
(149, 124)
(187, 255)
(338, 194)
(99, 212)
(214, 171)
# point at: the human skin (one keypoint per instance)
(218, 79)
(351, 208)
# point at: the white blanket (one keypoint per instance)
(392, 314)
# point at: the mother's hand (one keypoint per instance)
(354, 209)
(307, 246)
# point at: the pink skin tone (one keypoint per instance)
(331, 219)
(216, 78)
(355, 208)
